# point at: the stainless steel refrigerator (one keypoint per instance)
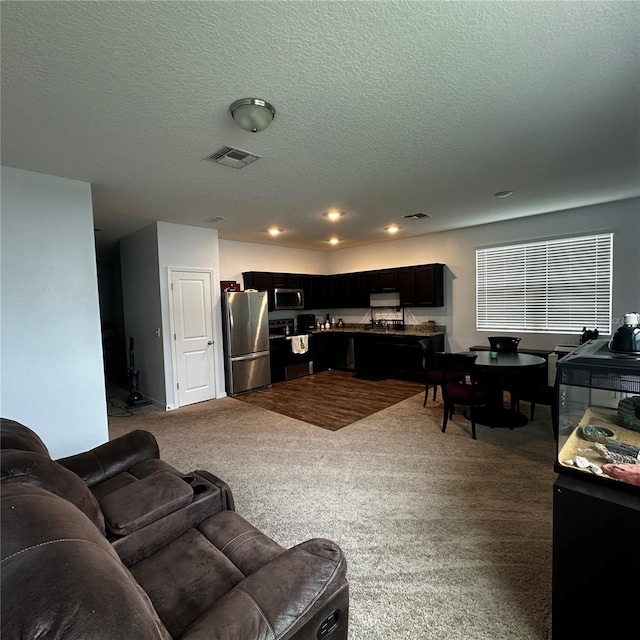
(245, 328)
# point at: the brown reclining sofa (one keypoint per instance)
(115, 543)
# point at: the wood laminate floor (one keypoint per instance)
(332, 399)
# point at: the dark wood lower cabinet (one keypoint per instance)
(278, 350)
(322, 355)
(332, 351)
(382, 355)
(392, 356)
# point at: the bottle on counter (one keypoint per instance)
(327, 325)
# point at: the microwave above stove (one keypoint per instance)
(288, 299)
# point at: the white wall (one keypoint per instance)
(142, 309)
(52, 371)
(184, 247)
(236, 257)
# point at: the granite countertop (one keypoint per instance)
(410, 330)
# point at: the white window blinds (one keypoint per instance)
(551, 286)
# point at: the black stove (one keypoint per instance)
(282, 327)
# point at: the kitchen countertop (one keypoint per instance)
(410, 330)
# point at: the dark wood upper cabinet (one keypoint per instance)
(315, 293)
(339, 295)
(288, 280)
(407, 286)
(258, 280)
(357, 297)
(418, 286)
(261, 281)
(430, 285)
(387, 280)
(370, 281)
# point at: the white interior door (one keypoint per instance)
(193, 336)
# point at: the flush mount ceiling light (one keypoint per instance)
(393, 228)
(334, 240)
(274, 231)
(252, 114)
(334, 214)
(417, 216)
(503, 194)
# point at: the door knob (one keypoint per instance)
(210, 342)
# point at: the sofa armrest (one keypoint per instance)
(113, 457)
(306, 582)
(145, 501)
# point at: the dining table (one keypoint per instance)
(495, 414)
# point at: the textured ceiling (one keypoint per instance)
(383, 109)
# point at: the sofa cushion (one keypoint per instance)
(14, 435)
(103, 489)
(61, 578)
(29, 468)
(152, 465)
(144, 501)
(304, 584)
(185, 578)
(112, 457)
(247, 547)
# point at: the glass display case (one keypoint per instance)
(599, 416)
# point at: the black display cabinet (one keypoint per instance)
(596, 507)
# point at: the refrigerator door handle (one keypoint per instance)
(249, 356)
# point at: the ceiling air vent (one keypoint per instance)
(214, 219)
(231, 157)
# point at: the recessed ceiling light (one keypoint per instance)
(274, 231)
(334, 241)
(503, 194)
(334, 214)
(393, 228)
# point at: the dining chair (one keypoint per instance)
(432, 369)
(504, 343)
(537, 393)
(467, 391)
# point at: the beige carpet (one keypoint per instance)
(446, 537)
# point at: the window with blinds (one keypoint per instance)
(550, 286)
